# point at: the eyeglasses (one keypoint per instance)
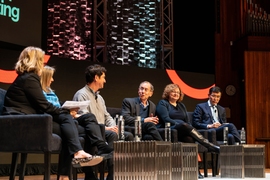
(215, 96)
(145, 89)
(176, 92)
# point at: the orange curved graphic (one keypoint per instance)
(187, 90)
(8, 76)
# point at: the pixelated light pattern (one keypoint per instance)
(69, 29)
(134, 32)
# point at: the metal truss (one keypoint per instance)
(100, 33)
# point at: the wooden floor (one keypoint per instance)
(39, 177)
(81, 177)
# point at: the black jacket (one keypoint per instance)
(25, 96)
(131, 109)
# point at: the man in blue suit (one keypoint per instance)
(210, 115)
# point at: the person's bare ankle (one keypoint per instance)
(82, 154)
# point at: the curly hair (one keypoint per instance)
(170, 88)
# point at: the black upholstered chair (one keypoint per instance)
(23, 134)
(37, 134)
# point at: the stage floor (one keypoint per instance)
(81, 177)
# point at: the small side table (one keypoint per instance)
(239, 161)
(155, 160)
(184, 161)
(144, 160)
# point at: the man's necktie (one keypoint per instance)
(215, 114)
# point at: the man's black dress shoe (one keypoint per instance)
(200, 176)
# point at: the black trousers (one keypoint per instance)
(233, 135)
(183, 130)
(92, 131)
(91, 128)
(70, 141)
(150, 132)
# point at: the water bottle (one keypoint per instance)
(168, 132)
(138, 130)
(225, 135)
(116, 118)
(121, 129)
(243, 136)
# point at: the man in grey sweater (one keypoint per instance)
(95, 79)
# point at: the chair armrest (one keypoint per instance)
(212, 136)
(209, 134)
(174, 134)
(130, 129)
(204, 132)
(19, 131)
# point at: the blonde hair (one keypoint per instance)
(31, 59)
(45, 78)
(170, 88)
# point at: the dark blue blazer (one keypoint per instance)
(202, 115)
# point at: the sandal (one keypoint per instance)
(90, 161)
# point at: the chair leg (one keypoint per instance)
(96, 170)
(217, 164)
(22, 166)
(13, 167)
(214, 164)
(205, 164)
(47, 164)
(74, 172)
(102, 169)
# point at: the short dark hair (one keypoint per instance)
(215, 89)
(93, 70)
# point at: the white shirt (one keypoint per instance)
(214, 112)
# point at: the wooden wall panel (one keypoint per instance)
(226, 67)
(257, 97)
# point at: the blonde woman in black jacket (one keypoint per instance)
(25, 96)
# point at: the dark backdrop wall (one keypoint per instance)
(194, 36)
